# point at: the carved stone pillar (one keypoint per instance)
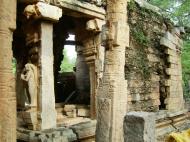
(112, 92)
(43, 22)
(7, 80)
(90, 52)
(93, 55)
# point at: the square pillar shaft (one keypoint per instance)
(46, 96)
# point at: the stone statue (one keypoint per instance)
(29, 75)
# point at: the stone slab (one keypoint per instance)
(139, 127)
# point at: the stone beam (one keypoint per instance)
(81, 9)
(7, 80)
(74, 8)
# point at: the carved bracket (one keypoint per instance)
(44, 11)
(95, 25)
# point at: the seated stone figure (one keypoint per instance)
(29, 75)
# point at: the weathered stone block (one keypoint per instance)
(69, 107)
(95, 25)
(170, 52)
(139, 127)
(153, 58)
(85, 130)
(172, 59)
(83, 112)
(167, 43)
(171, 37)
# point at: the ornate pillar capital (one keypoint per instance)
(42, 10)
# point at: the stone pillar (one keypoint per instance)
(47, 14)
(112, 92)
(90, 52)
(7, 80)
(94, 54)
(139, 127)
(46, 96)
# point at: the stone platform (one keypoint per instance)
(167, 122)
(83, 132)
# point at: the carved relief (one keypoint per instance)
(29, 75)
(104, 116)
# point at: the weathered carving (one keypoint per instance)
(31, 11)
(103, 114)
(29, 75)
(95, 25)
(43, 10)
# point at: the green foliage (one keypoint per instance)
(131, 5)
(14, 65)
(140, 37)
(177, 10)
(67, 63)
(164, 4)
(139, 61)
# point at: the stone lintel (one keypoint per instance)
(81, 9)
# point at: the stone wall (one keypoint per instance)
(147, 66)
(173, 44)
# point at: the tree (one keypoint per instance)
(67, 63)
(177, 10)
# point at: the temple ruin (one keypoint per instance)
(126, 85)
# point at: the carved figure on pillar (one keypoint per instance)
(29, 75)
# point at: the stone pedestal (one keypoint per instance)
(7, 80)
(139, 127)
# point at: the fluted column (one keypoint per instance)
(7, 79)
